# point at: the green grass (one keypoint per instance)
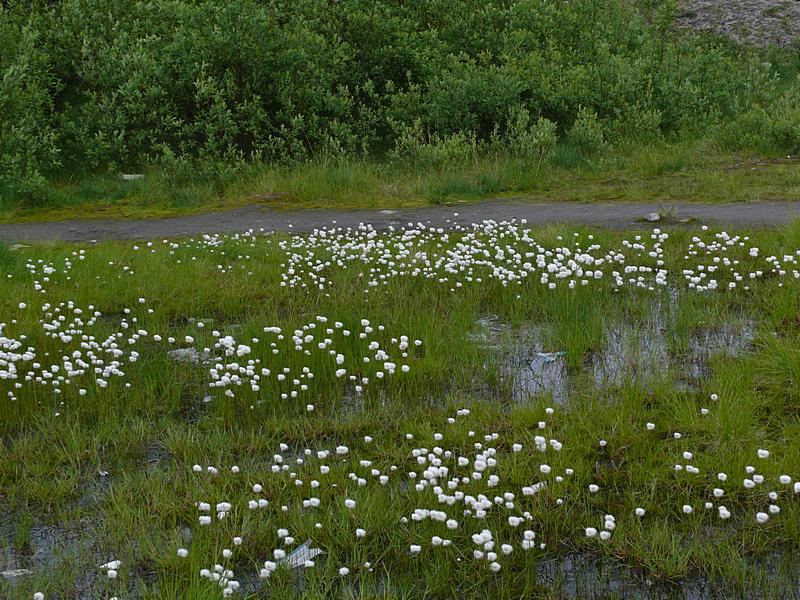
(147, 437)
(661, 173)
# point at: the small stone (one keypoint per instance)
(189, 355)
(15, 573)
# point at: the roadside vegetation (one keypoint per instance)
(377, 103)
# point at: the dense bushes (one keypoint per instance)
(766, 127)
(203, 87)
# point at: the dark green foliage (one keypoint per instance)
(203, 87)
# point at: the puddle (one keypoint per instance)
(154, 457)
(574, 576)
(44, 544)
(638, 354)
(188, 355)
(71, 543)
(193, 402)
(352, 404)
(44, 547)
(578, 576)
(94, 490)
(74, 546)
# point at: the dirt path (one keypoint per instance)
(615, 215)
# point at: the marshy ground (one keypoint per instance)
(488, 410)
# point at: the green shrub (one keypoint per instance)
(773, 127)
(412, 148)
(747, 131)
(211, 171)
(587, 134)
(783, 125)
(531, 141)
(29, 148)
(638, 124)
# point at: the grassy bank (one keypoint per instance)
(108, 473)
(656, 173)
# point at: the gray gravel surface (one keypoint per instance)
(759, 22)
(614, 215)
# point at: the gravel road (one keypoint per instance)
(614, 215)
